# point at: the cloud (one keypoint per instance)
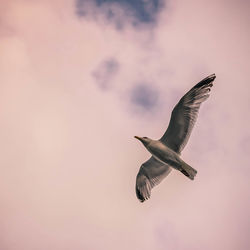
(105, 72)
(144, 97)
(121, 12)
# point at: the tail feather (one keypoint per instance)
(188, 171)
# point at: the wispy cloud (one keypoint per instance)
(144, 97)
(121, 12)
(104, 73)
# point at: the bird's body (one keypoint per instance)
(166, 151)
(164, 154)
(168, 158)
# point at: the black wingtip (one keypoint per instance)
(205, 81)
(139, 195)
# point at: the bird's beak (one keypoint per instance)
(139, 138)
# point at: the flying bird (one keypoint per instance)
(166, 151)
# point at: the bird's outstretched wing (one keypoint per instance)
(151, 173)
(185, 114)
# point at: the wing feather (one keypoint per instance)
(151, 173)
(185, 113)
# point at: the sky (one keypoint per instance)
(79, 79)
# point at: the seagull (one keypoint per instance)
(166, 151)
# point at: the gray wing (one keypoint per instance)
(151, 173)
(185, 113)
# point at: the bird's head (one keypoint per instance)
(144, 140)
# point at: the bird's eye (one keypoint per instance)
(145, 137)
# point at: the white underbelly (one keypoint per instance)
(166, 156)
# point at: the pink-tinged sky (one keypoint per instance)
(77, 83)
